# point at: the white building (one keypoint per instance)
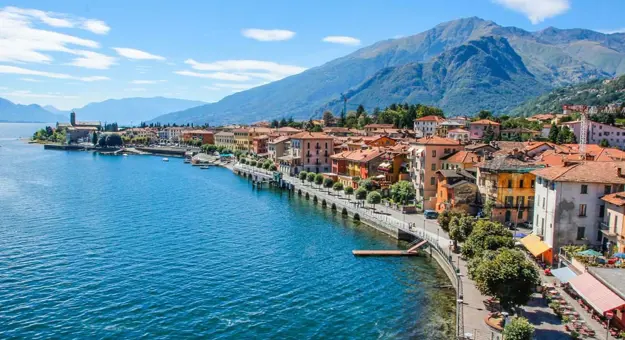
(426, 126)
(567, 204)
(598, 132)
(459, 134)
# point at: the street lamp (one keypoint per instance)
(609, 316)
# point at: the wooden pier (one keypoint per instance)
(412, 251)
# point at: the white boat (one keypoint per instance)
(125, 154)
(204, 167)
(165, 159)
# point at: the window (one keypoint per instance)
(581, 231)
(509, 201)
(520, 183)
(584, 189)
(509, 183)
(433, 153)
(433, 166)
(607, 189)
(543, 203)
(540, 180)
(432, 180)
(519, 214)
(532, 183)
(601, 210)
(308, 145)
(530, 202)
(520, 200)
(582, 210)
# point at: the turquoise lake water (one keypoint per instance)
(126, 247)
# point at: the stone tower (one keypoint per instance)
(72, 118)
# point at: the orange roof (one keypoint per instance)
(462, 156)
(459, 131)
(280, 139)
(484, 122)
(430, 118)
(379, 126)
(588, 172)
(288, 129)
(311, 135)
(358, 155)
(617, 198)
(543, 116)
(436, 140)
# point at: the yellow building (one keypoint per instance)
(506, 181)
(225, 139)
(241, 140)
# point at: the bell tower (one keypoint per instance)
(72, 118)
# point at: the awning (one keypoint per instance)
(535, 245)
(563, 274)
(600, 297)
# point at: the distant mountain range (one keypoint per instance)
(33, 113)
(594, 93)
(517, 64)
(122, 111)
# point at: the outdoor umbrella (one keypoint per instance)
(590, 252)
(522, 235)
(619, 255)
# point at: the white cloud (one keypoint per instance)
(31, 80)
(20, 42)
(612, 31)
(341, 39)
(214, 75)
(132, 53)
(267, 35)
(139, 82)
(537, 10)
(29, 94)
(24, 71)
(96, 26)
(93, 60)
(243, 70)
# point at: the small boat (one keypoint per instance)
(204, 167)
(125, 154)
(165, 159)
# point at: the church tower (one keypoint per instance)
(72, 118)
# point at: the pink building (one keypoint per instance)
(478, 128)
(310, 152)
(597, 132)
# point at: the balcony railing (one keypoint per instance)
(604, 226)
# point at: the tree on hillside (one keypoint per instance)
(484, 114)
(374, 198)
(360, 110)
(519, 328)
(604, 143)
(507, 275)
(275, 123)
(553, 133)
(487, 235)
(348, 191)
(328, 118)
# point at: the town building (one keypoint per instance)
(507, 181)
(460, 135)
(612, 225)
(443, 128)
(278, 147)
(568, 206)
(205, 136)
(520, 134)
(461, 159)
(349, 167)
(372, 128)
(310, 152)
(597, 132)
(259, 145)
(464, 121)
(426, 155)
(76, 131)
(479, 127)
(243, 143)
(426, 126)
(481, 149)
(545, 118)
(287, 131)
(226, 140)
(456, 189)
(394, 166)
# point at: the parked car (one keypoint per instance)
(430, 214)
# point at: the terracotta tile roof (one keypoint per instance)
(379, 126)
(456, 174)
(430, 118)
(587, 172)
(261, 137)
(436, 140)
(260, 130)
(484, 122)
(241, 130)
(617, 198)
(508, 163)
(462, 156)
(311, 135)
(459, 131)
(224, 133)
(543, 116)
(507, 146)
(361, 156)
(477, 146)
(280, 139)
(287, 129)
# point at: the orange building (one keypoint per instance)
(207, 137)
(456, 189)
(259, 144)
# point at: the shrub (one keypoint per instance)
(518, 329)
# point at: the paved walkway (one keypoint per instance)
(541, 315)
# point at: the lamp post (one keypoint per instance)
(609, 316)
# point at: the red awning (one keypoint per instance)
(600, 297)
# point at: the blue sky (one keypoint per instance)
(70, 53)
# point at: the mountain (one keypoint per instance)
(136, 110)
(554, 57)
(11, 112)
(54, 110)
(461, 79)
(596, 92)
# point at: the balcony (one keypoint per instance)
(318, 147)
(604, 226)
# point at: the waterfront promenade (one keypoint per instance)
(473, 310)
